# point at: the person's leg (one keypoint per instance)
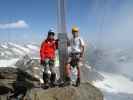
(78, 75)
(45, 77)
(53, 73)
(68, 71)
(45, 73)
(78, 68)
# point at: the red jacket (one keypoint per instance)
(48, 48)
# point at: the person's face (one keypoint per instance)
(51, 36)
(75, 34)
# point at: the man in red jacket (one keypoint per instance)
(47, 55)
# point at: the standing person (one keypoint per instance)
(77, 48)
(47, 55)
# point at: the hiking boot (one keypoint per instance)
(45, 86)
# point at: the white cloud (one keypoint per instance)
(14, 25)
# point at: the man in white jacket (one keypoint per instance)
(77, 49)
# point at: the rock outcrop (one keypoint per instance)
(8, 76)
(85, 92)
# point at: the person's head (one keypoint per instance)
(75, 32)
(51, 34)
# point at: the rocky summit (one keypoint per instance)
(84, 92)
(13, 77)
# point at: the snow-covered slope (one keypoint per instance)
(8, 63)
(115, 86)
(115, 83)
(11, 52)
(114, 65)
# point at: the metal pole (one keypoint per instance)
(61, 16)
(63, 54)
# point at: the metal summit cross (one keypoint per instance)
(62, 36)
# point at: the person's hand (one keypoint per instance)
(57, 40)
(81, 59)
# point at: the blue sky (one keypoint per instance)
(98, 20)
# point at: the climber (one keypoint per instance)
(76, 45)
(47, 55)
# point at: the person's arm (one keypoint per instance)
(42, 52)
(57, 43)
(82, 44)
(41, 49)
(82, 50)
